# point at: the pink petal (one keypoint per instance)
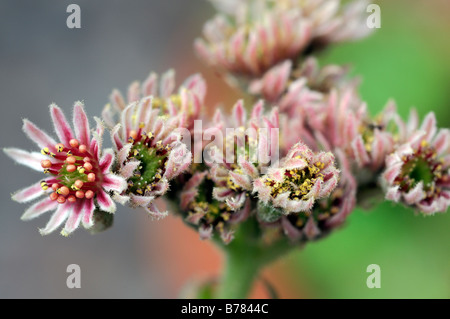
(429, 125)
(262, 190)
(393, 193)
(242, 181)
(122, 155)
(29, 193)
(126, 121)
(205, 232)
(38, 136)
(239, 113)
(128, 169)
(154, 212)
(142, 201)
(430, 208)
(115, 138)
(194, 218)
(442, 141)
(359, 150)
(311, 230)
(150, 85)
(196, 84)
(31, 160)
(62, 127)
(105, 202)
(295, 206)
(106, 161)
(242, 214)
(227, 236)
(328, 186)
(202, 49)
(235, 203)
(160, 188)
(413, 121)
(39, 208)
(257, 110)
(415, 195)
(221, 193)
(392, 172)
(186, 198)
(134, 92)
(81, 123)
(88, 213)
(263, 147)
(108, 116)
(57, 219)
(97, 138)
(248, 168)
(74, 219)
(179, 160)
(167, 84)
(195, 180)
(295, 163)
(117, 100)
(378, 149)
(121, 199)
(112, 182)
(290, 230)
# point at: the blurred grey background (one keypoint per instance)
(42, 61)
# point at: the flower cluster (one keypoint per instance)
(249, 37)
(294, 164)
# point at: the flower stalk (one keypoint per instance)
(245, 257)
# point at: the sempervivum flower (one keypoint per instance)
(342, 121)
(417, 173)
(254, 35)
(79, 177)
(301, 178)
(188, 99)
(328, 214)
(201, 210)
(149, 152)
(248, 150)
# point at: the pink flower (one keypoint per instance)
(188, 100)
(79, 172)
(252, 36)
(328, 214)
(342, 121)
(150, 153)
(417, 173)
(248, 149)
(301, 178)
(208, 215)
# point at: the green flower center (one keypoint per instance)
(152, 158)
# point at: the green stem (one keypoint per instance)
(241, 269)
(245, 257)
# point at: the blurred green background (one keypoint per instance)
(406, 59)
